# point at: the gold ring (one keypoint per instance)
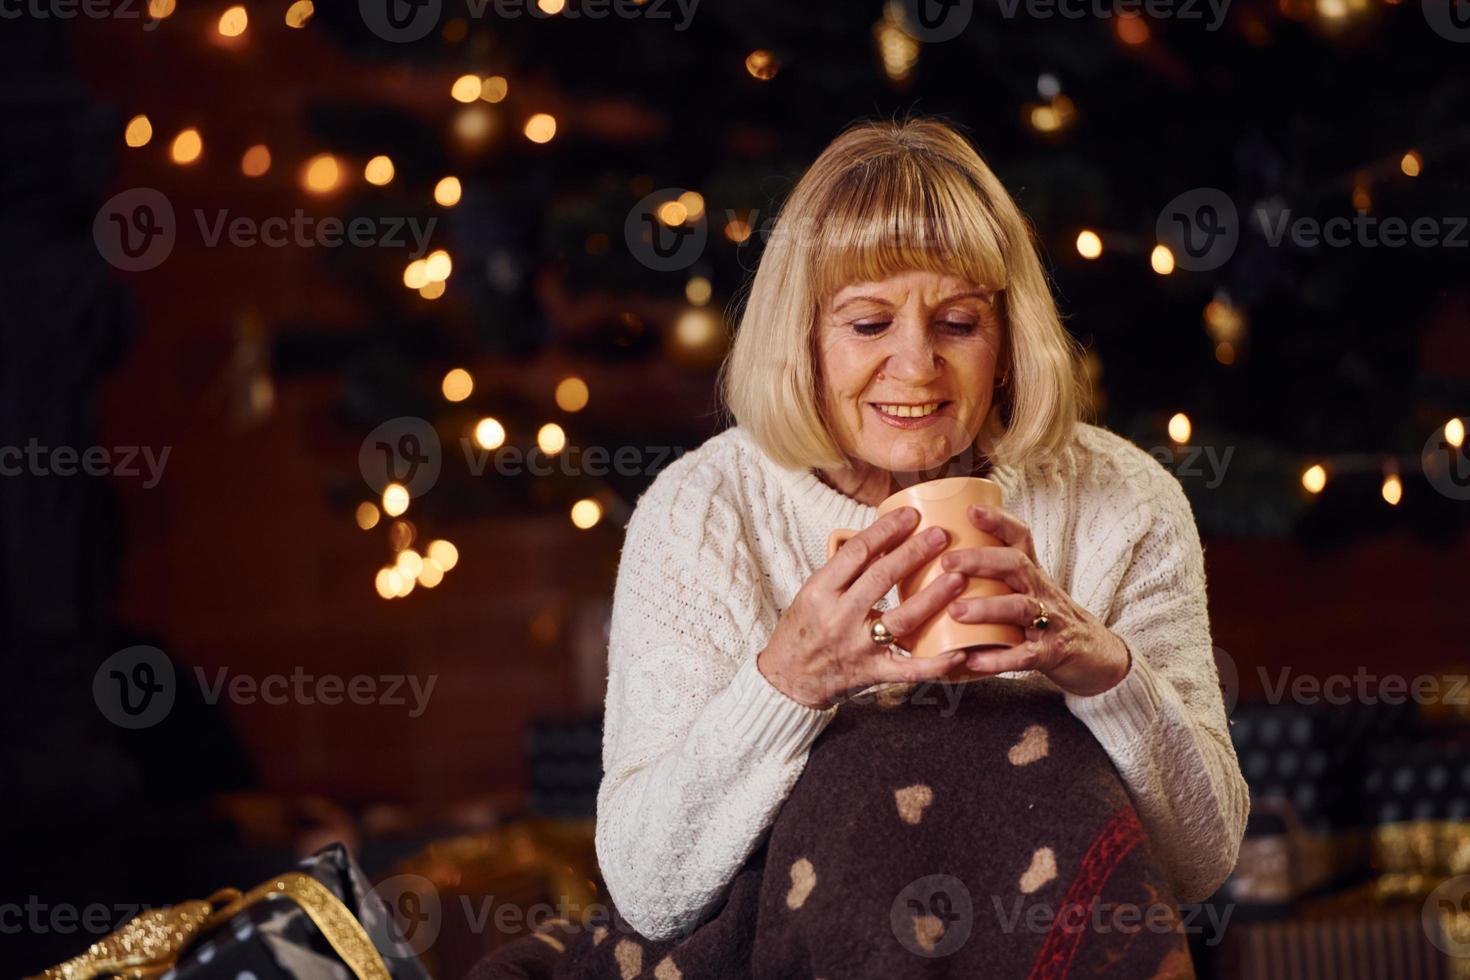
(879, 633)
(1042, 621)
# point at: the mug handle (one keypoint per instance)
(837, 539)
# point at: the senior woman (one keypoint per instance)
(899, 326)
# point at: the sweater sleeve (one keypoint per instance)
(1164, 724)
(700, 750)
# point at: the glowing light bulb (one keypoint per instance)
(1314, 478)
(395, 499)
(489, 433)
(138, 132)
(1089, 245)
(457, 385)
(551, 438)
(1180, 428)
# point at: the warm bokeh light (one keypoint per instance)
(187, 146)
(437, 265)
(473, 125)
(395, 499)
(1314, 478)
(409, 563)
(1180, 428)
(466, 88)
(762, 64)
(367, 515)
(1223, 319)
(551, 438)
(1162, 260)
(1131, 29)
(586, 513)
(159, 9)
(698, 290)
(444, 554)
(416, 274)
(494, 88)
(432, 290)
(299, 13)
(693, 203)
(489, 433)
(1225, 352)
(1393, 489)
(697, 329)
(737, 230)
(1089, 244)
(401, 534)
(1412, 163)
(672, 213)
(447, 192)
(1454, 432)
(321, 173)
(232, 22)
(540, 128)
(256, 161)
(138, 132)
(571, 394)
(551, 7)
(379, 171)
(431, 574)
(457, 385)
(388, 582)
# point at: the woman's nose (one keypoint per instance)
(912, 357)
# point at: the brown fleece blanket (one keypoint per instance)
(956, 830)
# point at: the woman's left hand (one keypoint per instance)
(1076, 651)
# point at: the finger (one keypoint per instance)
(1022, 656)
(859, 551)
(1004, 525)
(1007, 564)
(892, 668)
(920, 607)
(881, 575)
(1018, 608)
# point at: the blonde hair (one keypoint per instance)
(884, 198)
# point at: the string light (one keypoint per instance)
(159, 9)
(1393, 488)
(1180, 428)
(447, 192)
(438, 265)
(187, 146)
(1162, 260)
(388, 582)
(489, 433)
(494, 88)
(1131, 29)
(571, 394)
(432, 290)
(1454, 432)
(256, 161)
(321, 174)
(379, 171)
(443, 553)
(586, 513)
(551, 438)
(1089, 244)
(138, 132)
(457, 385)
(897, 48)
(1412, 163)
(232, 22)
(1314, 478)
(431, 574)
(409, 563)
(367, 515)
(416, 274)
(299, 13)
(466, 88)
(540, 128)
(395, 499)
(697, 290)
(762, 65)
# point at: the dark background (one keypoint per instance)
(262, 370)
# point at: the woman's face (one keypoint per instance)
(908, 367)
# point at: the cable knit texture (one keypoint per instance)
(700, 750)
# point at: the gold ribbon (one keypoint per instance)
(151, 943)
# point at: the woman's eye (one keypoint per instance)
(871, 328)
(959, 326)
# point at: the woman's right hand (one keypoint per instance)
(822, 652)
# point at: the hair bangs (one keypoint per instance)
(901, 213)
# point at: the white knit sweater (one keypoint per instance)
(700, 750)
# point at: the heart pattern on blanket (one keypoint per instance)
(630, 958)
(1032, 747)
(803, 880)
(1043, 869)
(911, 802)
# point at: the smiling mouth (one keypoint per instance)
(911, 410)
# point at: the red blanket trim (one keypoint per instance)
(1112, 844)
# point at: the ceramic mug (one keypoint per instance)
(943, 503)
